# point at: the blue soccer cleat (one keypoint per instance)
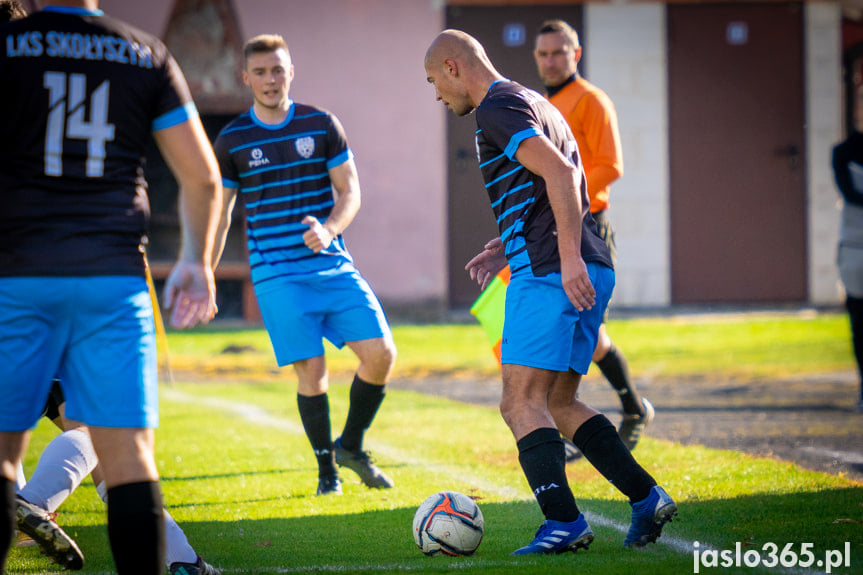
(559, 537)
(648, 517)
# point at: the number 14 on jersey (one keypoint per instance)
(67, 119)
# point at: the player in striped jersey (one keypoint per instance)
(562, 279)
(291, 166)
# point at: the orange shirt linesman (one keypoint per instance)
(593, 120)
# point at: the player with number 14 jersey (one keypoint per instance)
(66, 108)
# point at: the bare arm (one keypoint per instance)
(229, 198)
(347, 186)
(562, 179)
(190, 291)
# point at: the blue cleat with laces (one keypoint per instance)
(559, 537)
(648, 517)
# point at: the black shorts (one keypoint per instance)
(606, 232)
(55, 400)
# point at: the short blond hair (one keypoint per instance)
(263, 44)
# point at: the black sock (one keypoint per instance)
(366, 398)
(601, 445)
(616, 370)
(543, 461)
(315, 415)
(8, 523)
(136, 528)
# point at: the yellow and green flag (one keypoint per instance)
(489, 309)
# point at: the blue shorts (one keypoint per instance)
(299, 314)
(543, 329)
(95, 333)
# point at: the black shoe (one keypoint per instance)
(329, 485)
(199, 567)
(53, 541)
(633, 425)
(361, 463)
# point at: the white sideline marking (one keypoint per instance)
(676, 543)
(251, 413)
(259, 416)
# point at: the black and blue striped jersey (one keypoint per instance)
(81, 93)
(508, 115)
(281, 172)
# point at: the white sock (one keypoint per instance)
(177, 548)
(20, 478)
(64, 463)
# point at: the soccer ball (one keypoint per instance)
(448, 523)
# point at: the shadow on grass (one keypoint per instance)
(381, 540)
(259, 473)
(274, 472)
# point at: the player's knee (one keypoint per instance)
(377, 362)
(506, 412)
(387, 354)
(513, 411)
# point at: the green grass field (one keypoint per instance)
(239, 476)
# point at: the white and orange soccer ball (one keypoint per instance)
(448, 523)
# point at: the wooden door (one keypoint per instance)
(736, 123)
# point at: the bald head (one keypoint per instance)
(459, 46)
(457, 65)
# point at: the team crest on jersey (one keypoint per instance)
(305, 146)
(257, 159)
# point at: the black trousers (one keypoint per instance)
(855, 312)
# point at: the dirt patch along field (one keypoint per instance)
(812, 420)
